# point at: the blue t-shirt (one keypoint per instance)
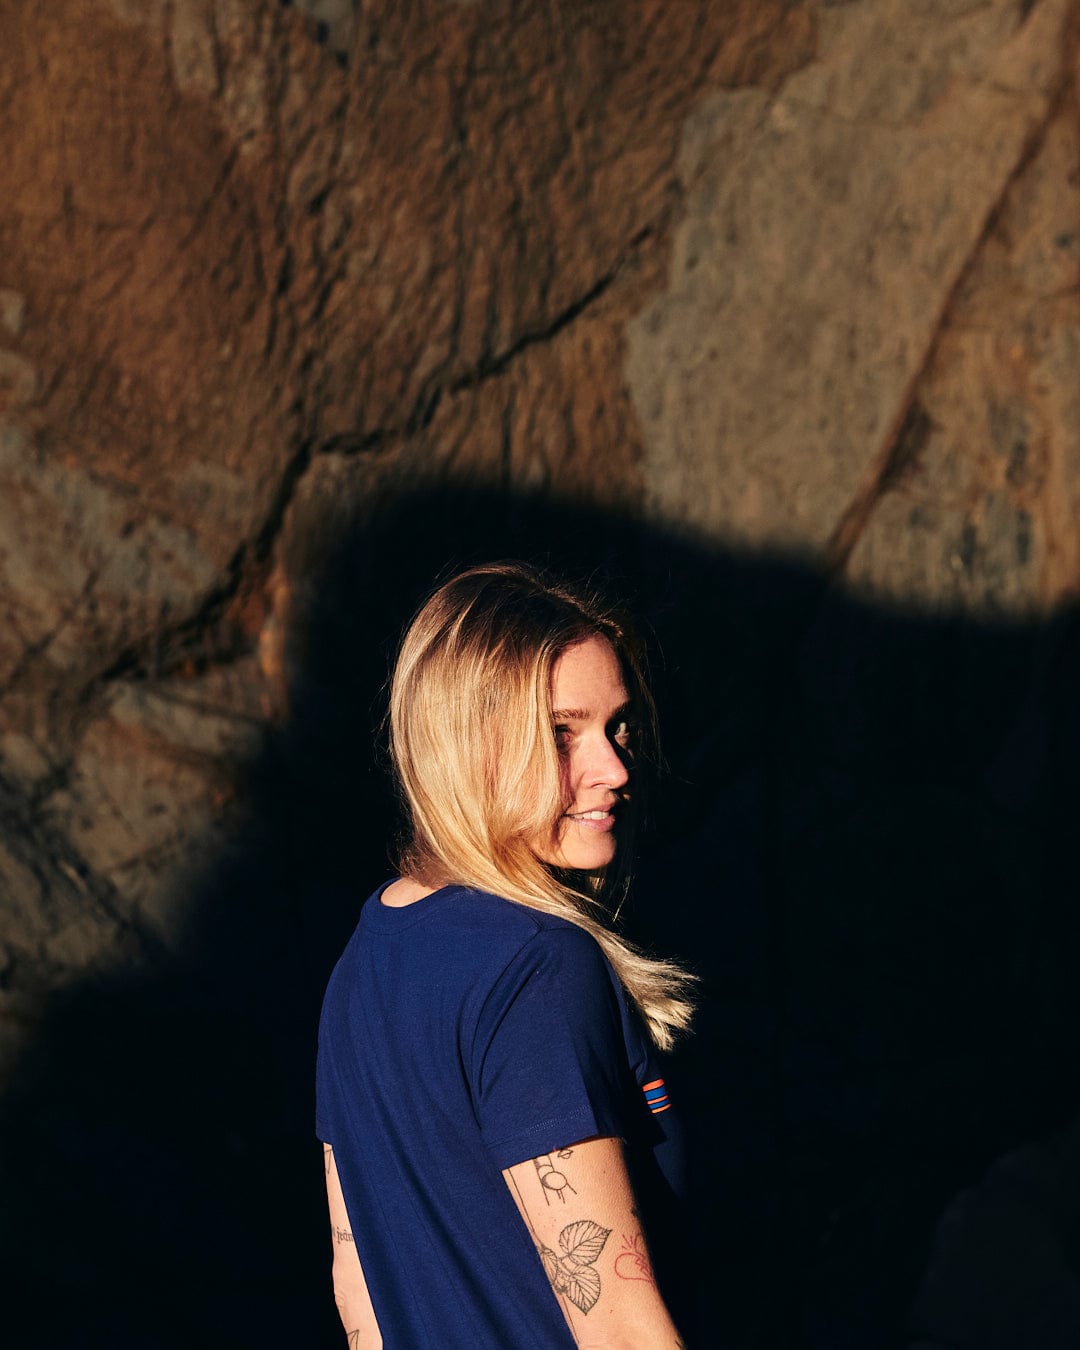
(462, 1034)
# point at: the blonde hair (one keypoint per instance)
(472, 744)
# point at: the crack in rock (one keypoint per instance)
(895, 450)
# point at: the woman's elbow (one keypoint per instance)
(354, 1307)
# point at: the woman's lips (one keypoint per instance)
(593, 820)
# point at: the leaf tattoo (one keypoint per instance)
(572, 1273)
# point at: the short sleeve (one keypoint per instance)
(549, 1061)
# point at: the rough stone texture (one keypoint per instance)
(982, 500)
(336, 20)
(825, 230)
(226, 255)
(84, 574)
(775, 305)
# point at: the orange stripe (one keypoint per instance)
(657, 1082)
(658, 1109)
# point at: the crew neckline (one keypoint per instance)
(399, 916)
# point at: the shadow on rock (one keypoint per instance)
(860, 844)
(1004, 1273)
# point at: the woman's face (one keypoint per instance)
(591, 724)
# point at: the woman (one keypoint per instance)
(497, 1132)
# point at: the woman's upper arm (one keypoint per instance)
(579, 1208)
(350, 1288)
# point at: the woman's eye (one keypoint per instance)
(562, 737)
(622, 732)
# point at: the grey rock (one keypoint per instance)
(824, 231)
(981, 514)
(12, 311)
(83, 569)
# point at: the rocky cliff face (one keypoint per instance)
(761, 281)
(864, 341)
(248, 287)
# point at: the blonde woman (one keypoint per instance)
(502, 1162)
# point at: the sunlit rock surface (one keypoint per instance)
(776, 305)
(273, 268)
(836, 234)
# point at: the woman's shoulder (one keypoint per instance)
(488, 948)
(465, 918)
(509, 918)
(534, 940)
(402, 892)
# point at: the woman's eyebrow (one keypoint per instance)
(584, 715)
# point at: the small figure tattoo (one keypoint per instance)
(551, 1179)
(573, 1273)
(328, 1157)
(633, 1263)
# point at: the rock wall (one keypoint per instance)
(242, 280)
(768, 306)
(871, 313)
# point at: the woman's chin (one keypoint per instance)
(580, 856)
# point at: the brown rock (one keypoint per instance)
(156, 769)
(249, 292)
(981, 513)
(84, 568)
(795, 276)
(824, 232)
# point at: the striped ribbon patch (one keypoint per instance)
(656, 1096)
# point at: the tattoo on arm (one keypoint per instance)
(354, 1340)
(328, 1157)
(551, 1179)
(341, 1234)
(573, 1272)
(633, 1263)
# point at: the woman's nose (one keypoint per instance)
(607, 765)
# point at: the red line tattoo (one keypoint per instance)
(633, 1263)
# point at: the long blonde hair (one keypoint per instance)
(472, 744)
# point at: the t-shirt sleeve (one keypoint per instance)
(549, 1061)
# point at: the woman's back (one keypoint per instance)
(499, 1143)
(463, 1034)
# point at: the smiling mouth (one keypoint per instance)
(599, 821)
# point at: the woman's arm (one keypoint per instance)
(350, 1287)
(578, 1206)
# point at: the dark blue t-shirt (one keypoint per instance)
(462, 1034)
